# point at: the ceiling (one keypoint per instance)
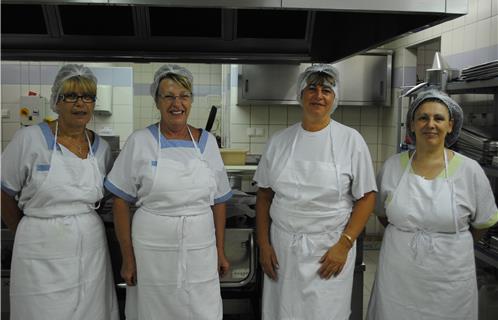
(265, 31)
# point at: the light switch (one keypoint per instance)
(260, 132)
(251, 131)
(5, 113)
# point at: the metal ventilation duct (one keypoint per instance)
(222, 31)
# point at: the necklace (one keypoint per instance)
(75, 145)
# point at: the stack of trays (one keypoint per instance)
(478, 145)
(483, 71)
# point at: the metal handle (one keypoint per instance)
(381, 88)
(246, 87)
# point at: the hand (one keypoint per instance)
(268, 261)
(223, 264)
(129, 271)
(333, 260)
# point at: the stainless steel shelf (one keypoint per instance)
(488, 86)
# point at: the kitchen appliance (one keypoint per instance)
(244, 280)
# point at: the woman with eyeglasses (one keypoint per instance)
(172, 250)
(52, 178)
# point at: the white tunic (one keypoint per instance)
(60, 264)
(426, 264)
(316, 177)
(173, 230)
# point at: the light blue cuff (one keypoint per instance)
(223, 198)
(9, 191)
(118, 192)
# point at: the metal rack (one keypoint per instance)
(489, 86)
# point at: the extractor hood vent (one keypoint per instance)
(20, 19)
(272, 24)
(221, 31)
(96, 20)
(185, 22)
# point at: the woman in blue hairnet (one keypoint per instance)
(316, 191)
(173, 252)
(430, 200)
(52, 176)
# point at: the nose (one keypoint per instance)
(431, 122)
(176, 101)
(319, 92)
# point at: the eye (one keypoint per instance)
(71, 96)
(88, 98)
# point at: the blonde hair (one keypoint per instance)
(178, 79)
(78, 83)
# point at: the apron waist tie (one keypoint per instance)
(302, 243)
(421, 244)
(182, 254)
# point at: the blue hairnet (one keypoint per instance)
(456, 113)
(164, 71)
(67, 72)
(302, 81)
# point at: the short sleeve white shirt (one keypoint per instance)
(26, 159)
(131, 176)
(475, 202)
(349, 150)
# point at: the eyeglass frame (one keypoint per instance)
(170, 99)
(63, 97)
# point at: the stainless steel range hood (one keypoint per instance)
(222, 31)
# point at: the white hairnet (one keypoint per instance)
(67, 72)
(302, 81)
(456, 113)
(166, 69)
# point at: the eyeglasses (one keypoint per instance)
(169, 98)
(73, 98)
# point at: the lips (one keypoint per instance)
(79, 113)
(430, 134)
(176, 112)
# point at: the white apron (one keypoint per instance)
(174, 243)
(426, 265)
(304, 227)
(60, 266)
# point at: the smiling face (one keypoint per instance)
(431, 123)
(174, 102)
(317, 101)
(76, 113)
